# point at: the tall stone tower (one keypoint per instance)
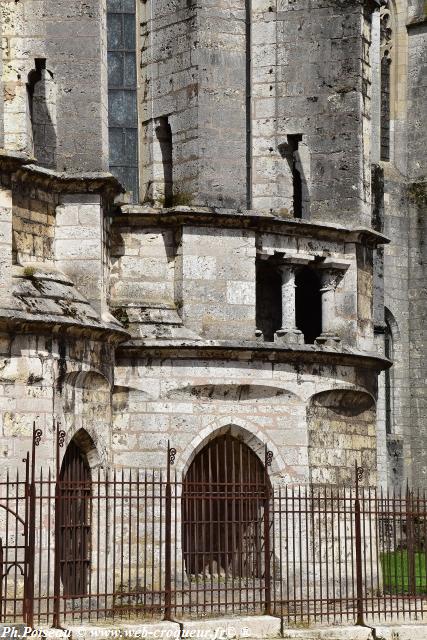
(195, 211)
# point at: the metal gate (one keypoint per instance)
(224, 495)
(17, 541)
(74, 515)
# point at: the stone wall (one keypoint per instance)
(33, 227)
(77, 66)
(311, 78)
(342, 433)
(218, 282)
(43, 376)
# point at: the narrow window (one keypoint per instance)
(296, 168)
(308, 304)
(164, 138)
(41, 93)
(122, 96)
(388, 348)
(268, 300)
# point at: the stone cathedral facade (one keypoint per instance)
(213, 220)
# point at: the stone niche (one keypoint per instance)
(341, 426)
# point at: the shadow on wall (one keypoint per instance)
(41, 92)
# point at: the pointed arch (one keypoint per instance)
(242, 430)
(224, 494)
(74, 515)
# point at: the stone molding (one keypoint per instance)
(131, 215)
(248, 351)
(24, 169)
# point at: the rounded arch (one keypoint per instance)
(391, 322)
(241, 430)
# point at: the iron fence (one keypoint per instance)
(132, 544)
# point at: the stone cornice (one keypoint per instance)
(24, 169)
(19, 322)
(11, 161)
(142, 216)
(248, 351)
(50, 180)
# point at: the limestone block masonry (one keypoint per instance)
(268, 280)
(255, 301)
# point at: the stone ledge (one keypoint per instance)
(250, 627)
(136, 215)
(248, 351)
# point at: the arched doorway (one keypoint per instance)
(224, 496)
(75, 520)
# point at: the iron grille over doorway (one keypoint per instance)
(224, 492)
(74, 521)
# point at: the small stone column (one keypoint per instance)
(327, 291)
(288, 334)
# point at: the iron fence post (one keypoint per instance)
(31, 535)
(410, 542)
(267, 542)
(360, 618)
(168, 536)
(60, 438)
(1, 580)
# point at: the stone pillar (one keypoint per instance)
(79, 245)
(288, 334)
(6, 299)
(327, 290)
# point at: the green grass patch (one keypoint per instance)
(396, 572)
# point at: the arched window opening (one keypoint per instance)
(389, 382)
(164, 139)
(268, 300)
(41, 92)
(308, 302)
(75, 520)
(224, 495)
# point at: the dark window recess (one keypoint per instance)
(377, 184)
(74, 521)
(122, 96)
(164, 136)
(222, 511)
(385, 108)
(308, 304)
(41, 107)
(268, 300)
(296, 168)
(388, 375)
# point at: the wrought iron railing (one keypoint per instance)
(133, 544)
